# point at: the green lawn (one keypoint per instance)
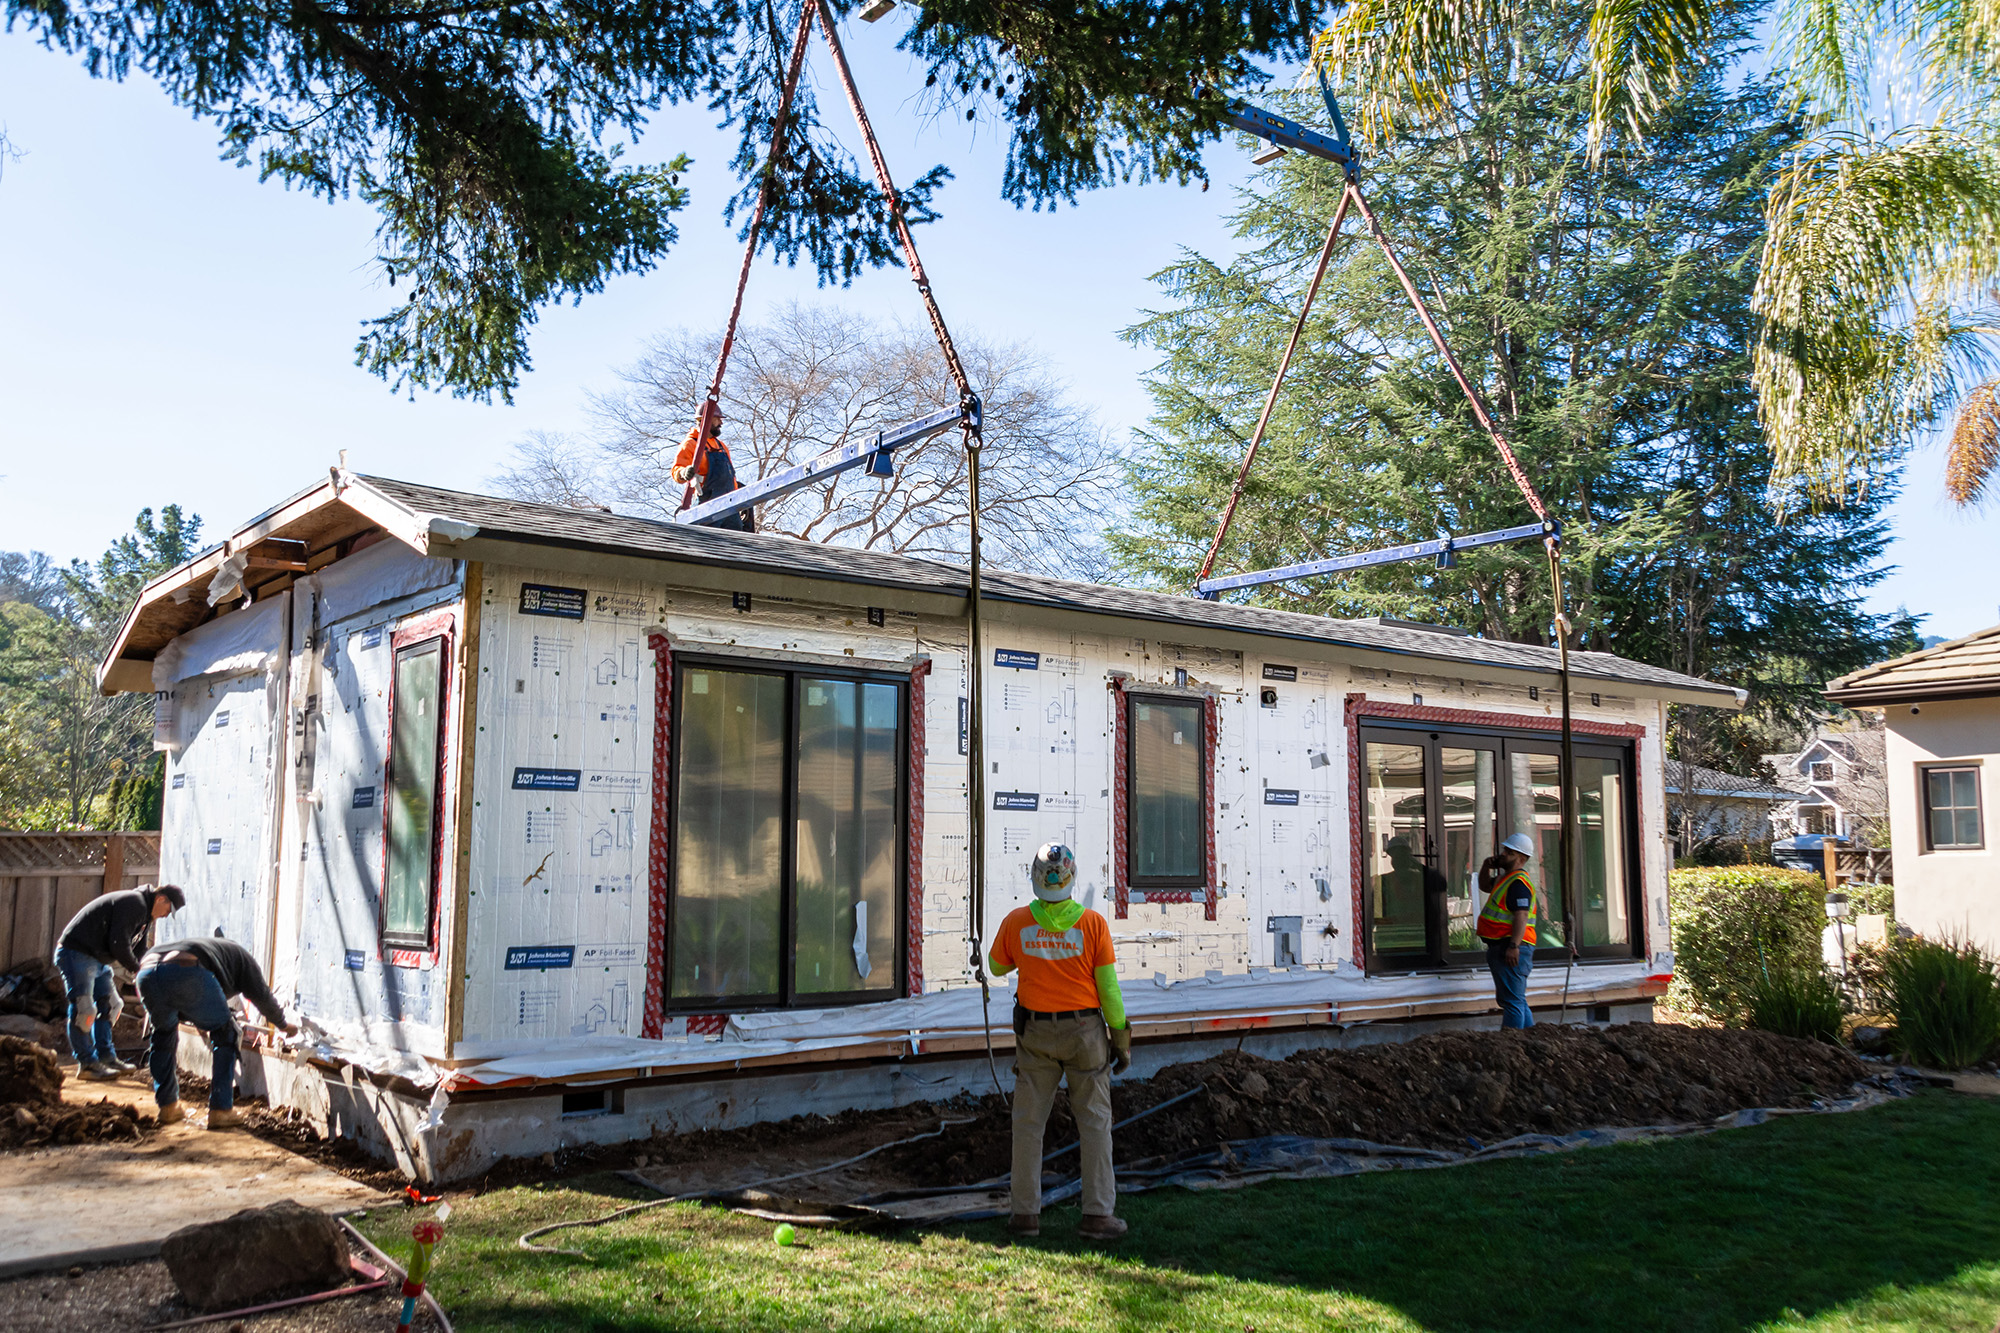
(1881, 1220)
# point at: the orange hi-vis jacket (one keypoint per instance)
(1496, 919)
(692, 455)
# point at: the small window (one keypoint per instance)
(1822, 771)
(1167, 824)
(1951, 807)
(416, 761)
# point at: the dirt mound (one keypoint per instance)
(1449, 1090)
(33, 1113)
(29, 1075)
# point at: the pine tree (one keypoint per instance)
(1605, 315)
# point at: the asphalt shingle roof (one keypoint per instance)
(619, 533)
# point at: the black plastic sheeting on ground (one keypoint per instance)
(1244, 1162)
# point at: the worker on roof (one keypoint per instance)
(1507, 924)
(1069, 1022)
(705, 459)
(194, 981)
(110, 928)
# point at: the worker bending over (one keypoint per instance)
(1507, 924)
(704, 458)
(195, 980)
(1064, 1003)
(111, 928)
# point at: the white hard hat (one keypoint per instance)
(1520, 842)
(1053, 872)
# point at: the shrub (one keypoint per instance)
(1872, 899)
(1734, 925)
(1797, 1002)
(1946, 997)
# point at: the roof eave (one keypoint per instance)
(1864, 696)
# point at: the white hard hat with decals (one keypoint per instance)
(1520, 842)
(1054, 870)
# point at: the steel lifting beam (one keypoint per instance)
(876, 454)
(1269, 125)
(1443, 548)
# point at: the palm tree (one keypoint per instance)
(1882, 251)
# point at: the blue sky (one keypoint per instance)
(171, 330)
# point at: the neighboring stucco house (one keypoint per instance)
(1705, 805)
(1941, 714)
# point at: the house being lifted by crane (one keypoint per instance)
(561, 826)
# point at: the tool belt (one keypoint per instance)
(1022, 1017)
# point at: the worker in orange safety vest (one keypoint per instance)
(1507, 924)
(705, 459)
(1069, 1023)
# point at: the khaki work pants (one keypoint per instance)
(1051, 1049)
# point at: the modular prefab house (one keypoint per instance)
(561, 826)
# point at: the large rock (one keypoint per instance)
(241, 1259)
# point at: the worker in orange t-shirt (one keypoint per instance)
(705, 459)
(1069, 1022)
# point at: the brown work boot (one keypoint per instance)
(1094, 1227)
(171, 1114)
(1025, 1224)
(227, 1119)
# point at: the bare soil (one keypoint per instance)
(1453, 1090)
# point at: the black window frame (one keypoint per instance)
(1924, 772)
(1438, 956)
(442, 641)
(1205, 763)
(787, 997)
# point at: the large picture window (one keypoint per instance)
(788, 808)
(414, 786)
(1436, 804)
(1166, 822)
(1951, 808)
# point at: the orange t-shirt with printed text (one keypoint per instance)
(1058, 967)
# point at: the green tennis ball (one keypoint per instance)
(784, 1235)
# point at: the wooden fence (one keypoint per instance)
(46, 877)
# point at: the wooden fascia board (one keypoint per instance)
(116, 674)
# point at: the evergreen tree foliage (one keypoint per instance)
(69, 756)
(1604, 314)
(487, 135)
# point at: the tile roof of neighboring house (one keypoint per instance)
(1967, 668)
(434, 519)
(1694, 780)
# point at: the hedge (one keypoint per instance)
(1735, 924)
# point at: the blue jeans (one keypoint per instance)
(88, 984)
(172, 992)
(1510, 984)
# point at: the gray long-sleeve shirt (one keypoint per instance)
(110, 927)
(231, 964)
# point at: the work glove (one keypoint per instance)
(1121, 1049)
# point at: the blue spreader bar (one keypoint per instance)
(1269, 125)
(1388, 555)
(876, 453)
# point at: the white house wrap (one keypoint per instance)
(557, 825)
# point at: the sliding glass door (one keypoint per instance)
(1436, 804)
